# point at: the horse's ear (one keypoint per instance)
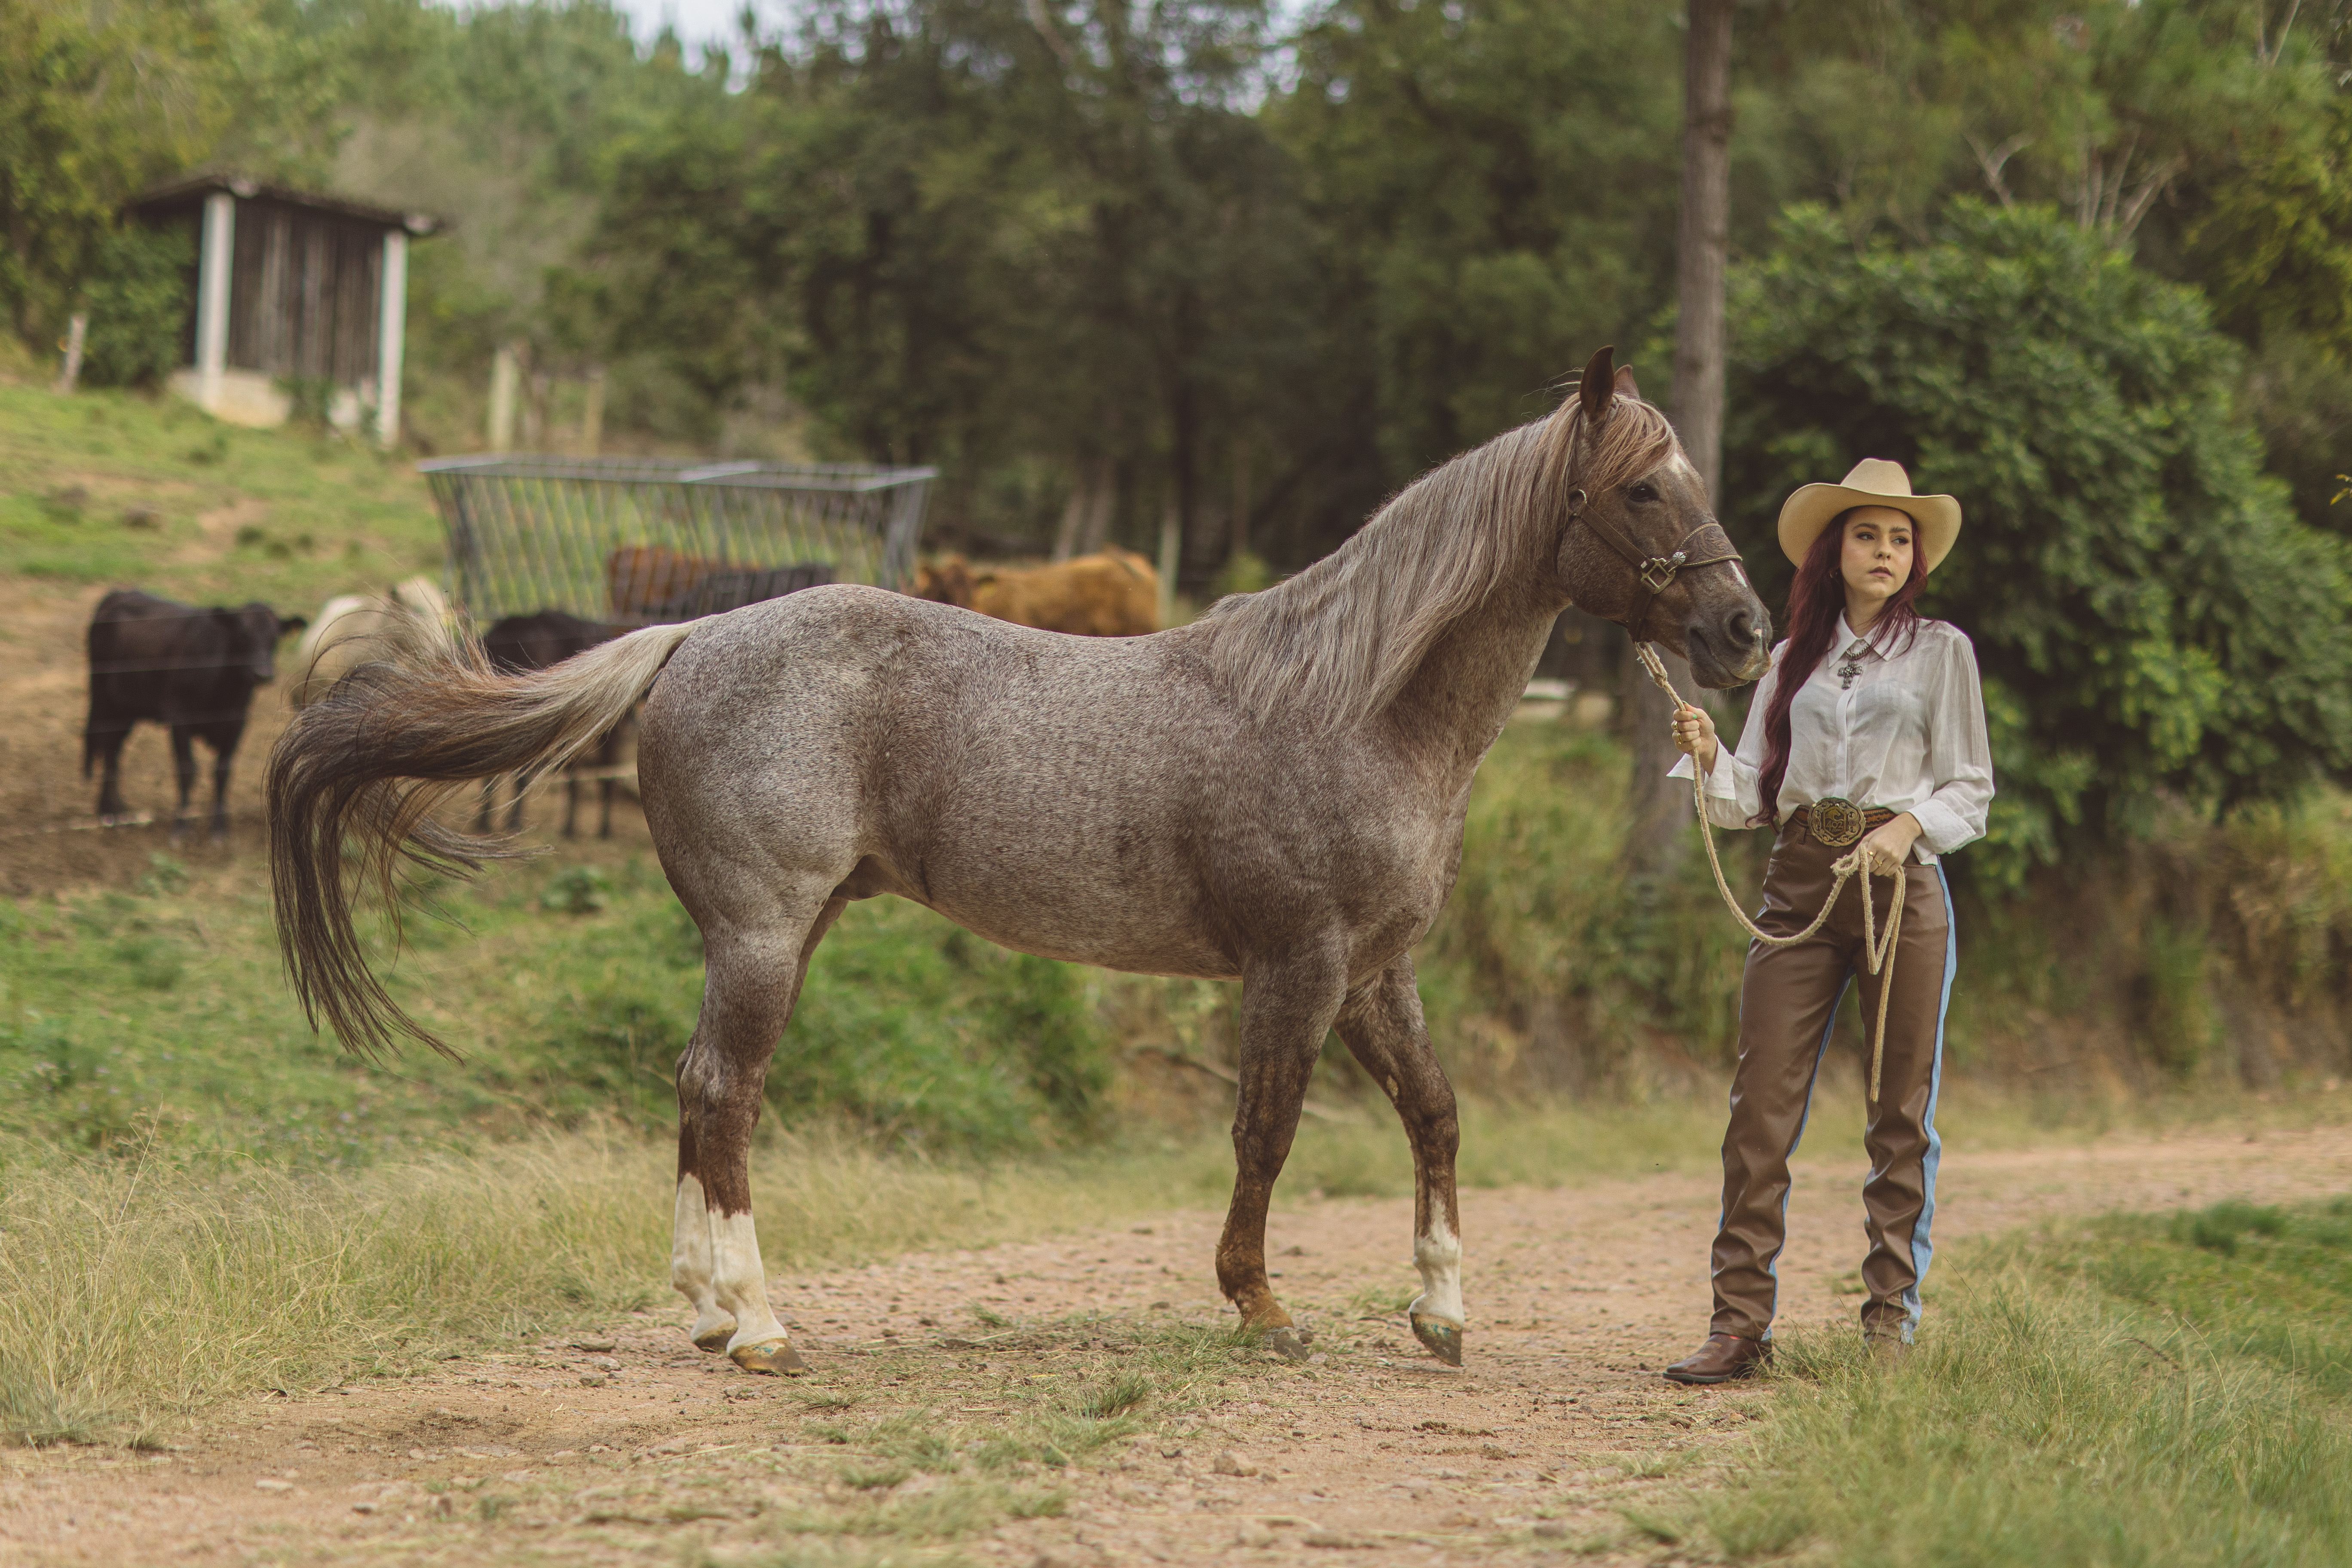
(1596, 387)
(1623, 385)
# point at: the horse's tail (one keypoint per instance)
(367, 764)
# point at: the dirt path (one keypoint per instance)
(940, 1423)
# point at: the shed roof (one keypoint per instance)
(195, 185)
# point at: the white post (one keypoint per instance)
(211, 296)
(503, 374)
(77, 335)
(391, 327)
(1171, 555)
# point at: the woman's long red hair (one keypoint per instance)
(1816, 599)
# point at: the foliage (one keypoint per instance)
(2144, 1389)
(99, 99)
(1478, 241)
(2276, 239)
(983, 236)
(137, 297)
(2148, 613)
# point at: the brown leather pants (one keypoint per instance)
(1787, 1002)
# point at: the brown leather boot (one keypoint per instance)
(1721, 1359)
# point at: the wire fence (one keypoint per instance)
(634, 541)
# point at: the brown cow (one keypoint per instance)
(1113, 594)
(652, 583)
(639, 576)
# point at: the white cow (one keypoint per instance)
(345, 632)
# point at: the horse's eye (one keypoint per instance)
(1643, 493)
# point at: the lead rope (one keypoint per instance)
(1879, 953)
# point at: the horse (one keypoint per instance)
(344, 631)
(1273, 794)
(1113, 594)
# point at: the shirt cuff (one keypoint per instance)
(1722, 784)
(1941, 828)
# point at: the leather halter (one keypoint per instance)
(1655, 573)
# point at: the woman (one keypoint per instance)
(1870, 727)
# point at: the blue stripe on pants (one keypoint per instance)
(1922, 1250)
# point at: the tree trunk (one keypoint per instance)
(1660, 810)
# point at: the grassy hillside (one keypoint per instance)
(106, 488)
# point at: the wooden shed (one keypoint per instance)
(291, 290)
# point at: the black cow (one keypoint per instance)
(522, 643)
(191, 669)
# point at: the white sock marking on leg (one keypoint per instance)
(689, 1256)
(1438, 1255)
(742, 1280)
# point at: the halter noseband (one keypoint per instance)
(1655, 574)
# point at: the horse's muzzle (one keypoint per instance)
(1730, 647)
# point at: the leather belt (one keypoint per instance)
(1833, 821)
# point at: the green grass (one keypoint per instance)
(2165, 1391)
(116, 487)
(158, 1010)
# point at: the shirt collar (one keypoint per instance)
(1848, 637)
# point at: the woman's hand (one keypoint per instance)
(1886, 850)
(1694, 737)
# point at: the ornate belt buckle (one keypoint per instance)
(1834, 822)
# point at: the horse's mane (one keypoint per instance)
(1340, 639)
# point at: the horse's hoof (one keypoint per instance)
(714, 1340)
(1287, 1343)
(1443, 1340)
(775, 1359)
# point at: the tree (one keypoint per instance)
(2151, 618)
(1492, 188)
(1701, 249)
(98, 101)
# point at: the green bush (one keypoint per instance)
(137, 296)
(2150, 617)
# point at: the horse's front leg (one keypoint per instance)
(1287, 1009)
(1382, 1025)
(755, 973)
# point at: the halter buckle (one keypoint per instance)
(1658, 571)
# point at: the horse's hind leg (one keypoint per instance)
(1382, 1025)
(1287, 1009)
(755, 971)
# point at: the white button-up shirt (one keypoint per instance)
(1906, 732)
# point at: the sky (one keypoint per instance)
(696, 21)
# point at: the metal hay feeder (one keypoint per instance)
(637, 541)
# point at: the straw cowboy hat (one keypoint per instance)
(1874, 481)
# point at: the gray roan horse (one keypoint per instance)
(1273, 794)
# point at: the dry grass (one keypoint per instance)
(135, 1289)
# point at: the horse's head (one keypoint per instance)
(1642, 547)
